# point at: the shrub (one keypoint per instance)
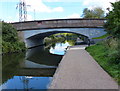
(10, 40)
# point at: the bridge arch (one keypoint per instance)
(37, 39)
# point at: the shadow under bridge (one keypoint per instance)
(88, 33)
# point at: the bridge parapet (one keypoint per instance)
(59, 23)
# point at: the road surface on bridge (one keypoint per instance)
(78, 70)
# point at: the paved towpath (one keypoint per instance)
(78, 70)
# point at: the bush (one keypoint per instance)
(10, 40)
(113, 23)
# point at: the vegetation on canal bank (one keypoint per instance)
(10, 40)
(107, 53)
(49, 40)
(60, 37)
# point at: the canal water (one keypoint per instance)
(33, 69)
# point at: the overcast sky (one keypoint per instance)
(49, 9)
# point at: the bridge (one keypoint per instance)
(59, 23)
(33, 32)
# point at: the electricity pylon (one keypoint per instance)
(22, 10)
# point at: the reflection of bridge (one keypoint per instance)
(35, 31)
(38, 62)
(43, 56)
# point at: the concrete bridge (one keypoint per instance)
(33, 32)
(59, 23)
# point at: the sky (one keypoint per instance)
(49, 9)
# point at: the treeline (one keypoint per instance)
(53, 38)
(10, 40)
(96, 12)
(59, 37)
(107, 53)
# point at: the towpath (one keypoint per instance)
(78, 70)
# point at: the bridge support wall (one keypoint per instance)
(85, 40)
(21, 36)
(30, 43)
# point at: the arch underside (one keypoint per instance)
(37, 38)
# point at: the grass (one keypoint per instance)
(101, 37)
(107, 59)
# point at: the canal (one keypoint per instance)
(34, 68)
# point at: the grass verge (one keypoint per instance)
(107, 57)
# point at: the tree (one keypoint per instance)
(113, 23)
(10, 40)
(94, 13)
(9, 33)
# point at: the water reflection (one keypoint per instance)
(33, 69)
(59, 48)
(25, 82)
(43, 56)
(10, 65)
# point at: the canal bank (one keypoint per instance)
(78, 70)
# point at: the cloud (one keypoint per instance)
(29, 18)
(98, 3)
(9, 19)
(58, 9)
(51, 0)
(9, 0)
(86, 2)
(39, 6)
(75, 15)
